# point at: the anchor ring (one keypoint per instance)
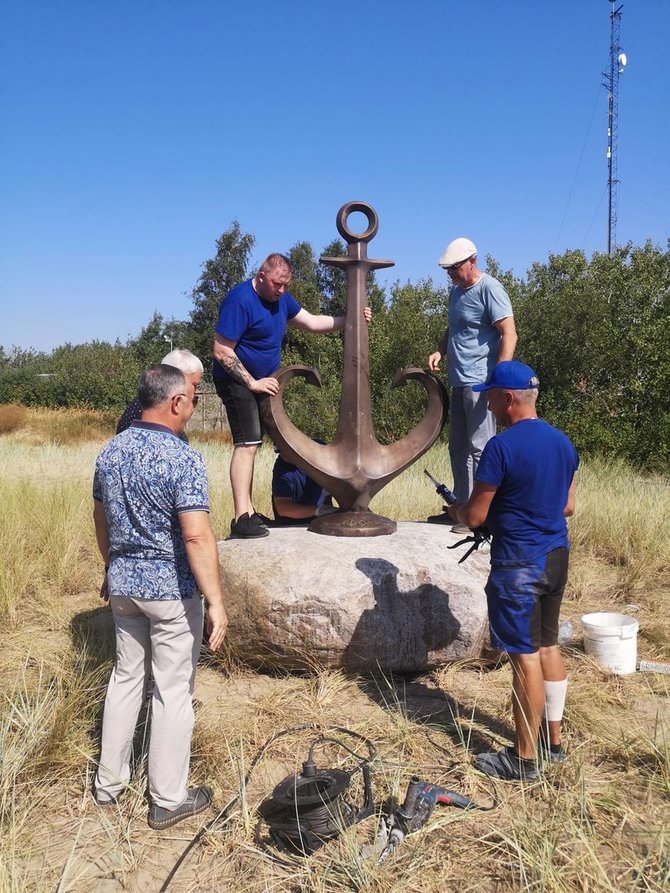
(346, 233)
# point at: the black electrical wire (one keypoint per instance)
(320, 819)
(223, 813)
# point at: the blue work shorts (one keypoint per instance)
(524, 601)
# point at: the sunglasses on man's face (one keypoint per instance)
(194, 398)
(456, 266)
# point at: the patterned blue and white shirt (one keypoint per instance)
(145, 477)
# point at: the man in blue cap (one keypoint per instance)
(524, 489)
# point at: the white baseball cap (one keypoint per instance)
(456, 251)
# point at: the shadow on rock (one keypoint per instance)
(404, 628)
(398, 635)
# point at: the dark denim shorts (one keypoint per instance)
(242, 408)
(524, 601)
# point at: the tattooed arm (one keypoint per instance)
(225, 356)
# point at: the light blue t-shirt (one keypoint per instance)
(145, 477)
(474, 341)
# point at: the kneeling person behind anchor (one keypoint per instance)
(296, 498)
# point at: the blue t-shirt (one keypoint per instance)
(474, 341)
(145, 477)
(532, 464)
(291, 481)
(257, 326)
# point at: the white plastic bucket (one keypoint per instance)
(612, 640)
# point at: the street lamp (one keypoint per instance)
(169, 340)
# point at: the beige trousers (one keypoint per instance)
(162, 638)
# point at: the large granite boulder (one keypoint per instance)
(396, 603)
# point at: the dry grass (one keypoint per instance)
(65, 427)
(12, 417)
(598, 823)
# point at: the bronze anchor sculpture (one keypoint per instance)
(355, 466)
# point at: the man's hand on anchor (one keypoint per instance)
(264, 386)
(434, 361)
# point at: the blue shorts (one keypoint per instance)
(524, 601)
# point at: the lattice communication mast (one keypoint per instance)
(617, 65)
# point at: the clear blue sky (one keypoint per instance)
(134, 132)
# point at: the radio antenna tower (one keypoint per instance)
(617, 65)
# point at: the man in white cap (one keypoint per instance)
(480, 333)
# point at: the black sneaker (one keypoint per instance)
(505, 764)
(550, 753)
(444, 518)
(197, 800)
(259, 520)
(246, 529)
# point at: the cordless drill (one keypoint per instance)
(420, 801)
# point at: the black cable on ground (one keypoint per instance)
(224, 812)
(286, 862)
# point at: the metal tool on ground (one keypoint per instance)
(478, 536)
(420, 801)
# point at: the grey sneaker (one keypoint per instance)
(460, 528)
(245, 528)
(505, 764)
(197, 800)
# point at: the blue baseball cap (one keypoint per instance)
(510, 375)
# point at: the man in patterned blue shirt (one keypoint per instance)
(151, 513)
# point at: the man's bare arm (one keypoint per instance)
(225, 356)
(322, 324)
(203, 560)
(475, 511)
(101, 530)
(569, 509)
(508, 338)
(102, 538)
(434, 358)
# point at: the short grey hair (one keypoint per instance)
(184, 360)
(159, 383)
(527, 396)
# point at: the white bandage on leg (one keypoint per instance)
(554, 700)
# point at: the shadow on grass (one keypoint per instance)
(440, 712)
(398, 634)
(93, 636)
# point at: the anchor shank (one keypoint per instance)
(355, 420)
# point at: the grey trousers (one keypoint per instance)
(471, 426)
(164, 638)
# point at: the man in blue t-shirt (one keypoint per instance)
(296, 498)
(247, 351)
(524, 489)
(480, 333)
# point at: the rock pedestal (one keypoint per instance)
(398, 603)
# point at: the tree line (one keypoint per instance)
(596, 331)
